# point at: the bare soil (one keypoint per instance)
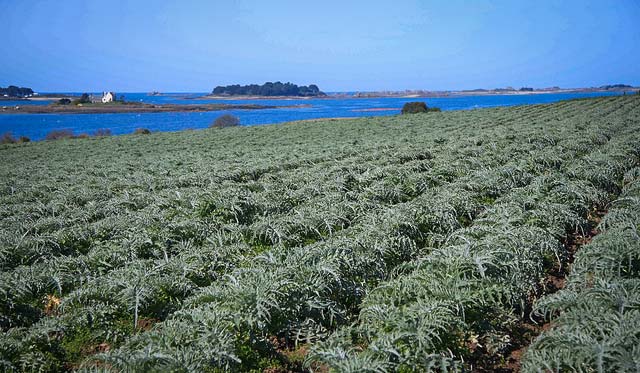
(527, 330)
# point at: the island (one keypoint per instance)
(13, 92)
(267, 90)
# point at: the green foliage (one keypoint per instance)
(407, 243)
(225, 120)
(268, 89)
(418, 107)
(84, 99)
(14, 91)
(596, 317)
(414, 107)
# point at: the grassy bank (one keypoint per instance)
(394, 243)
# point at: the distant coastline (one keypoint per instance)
(431, 94)
(336, 95)
(489, 92)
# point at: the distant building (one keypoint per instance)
(108, 97)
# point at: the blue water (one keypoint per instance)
(36, 126)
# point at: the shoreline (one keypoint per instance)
(132, 108)
(44, 97)
(332, 119)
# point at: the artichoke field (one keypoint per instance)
(403, 243)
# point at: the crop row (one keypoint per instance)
(595, 318)
(464, 297)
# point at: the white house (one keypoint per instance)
(108, 97)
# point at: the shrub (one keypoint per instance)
(142, 131)
(226, 120)
(414, 107)
(7, 138)
(418, 107)
(84, 99)
(59, 134)
(63, 101)
(102, 132)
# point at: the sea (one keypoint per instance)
(36, 126)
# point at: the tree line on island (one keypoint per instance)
(268, 89)
(15, 91)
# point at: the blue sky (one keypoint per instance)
(188, 45)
